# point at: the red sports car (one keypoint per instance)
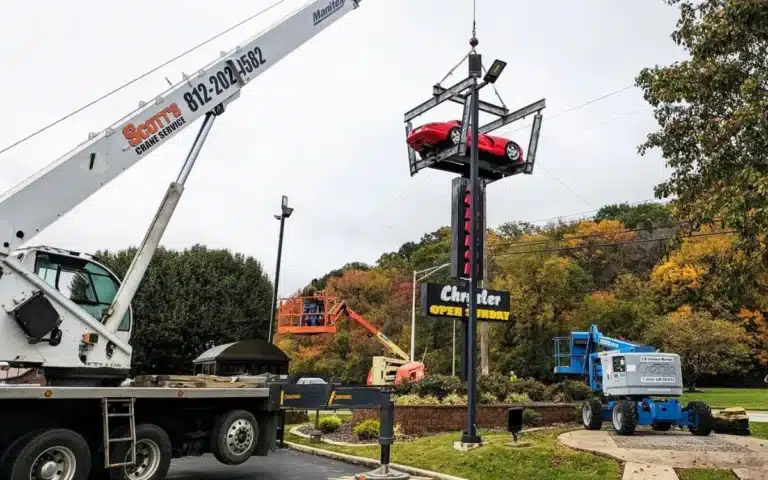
(431, 137)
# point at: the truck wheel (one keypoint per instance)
(592, 414)
(700, 416)
(624, 418)
(8, 456)
(153, 453)
(51, 454)
(234, 437)
(661, 426)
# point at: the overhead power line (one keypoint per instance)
(615, 244)
(593, 235)
(136, 79)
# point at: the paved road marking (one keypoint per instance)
(643, 471)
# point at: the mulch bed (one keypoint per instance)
(345, 434)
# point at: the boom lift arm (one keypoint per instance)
(38, 307)
(343, 308)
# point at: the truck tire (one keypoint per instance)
(6, 459)
(48, 453)
(234, 437)
(592, 414)
(624, 417)
(153, 453)
(700, 416)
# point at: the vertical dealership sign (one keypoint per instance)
(450, 301)
(461, 226)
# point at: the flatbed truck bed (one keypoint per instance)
(131, 431)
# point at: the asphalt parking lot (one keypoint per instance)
(278, 465)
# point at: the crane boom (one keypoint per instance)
(51, 295)
(40, 200)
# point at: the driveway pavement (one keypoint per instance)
(758, 416)
(281, 464)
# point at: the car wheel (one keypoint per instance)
(455, 136)
(512, 152)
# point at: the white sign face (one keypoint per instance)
(657, 379)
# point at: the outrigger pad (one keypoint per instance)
(36, 316)
(383, 473)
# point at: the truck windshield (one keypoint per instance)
(84, 282)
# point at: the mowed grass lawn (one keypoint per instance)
(546, 459)
(748, 398)
(759, 430)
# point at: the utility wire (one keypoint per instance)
(526, 243)
(136, 79)
(631, 242)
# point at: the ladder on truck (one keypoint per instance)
(124, 408)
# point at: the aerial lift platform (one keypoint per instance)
(627, 380)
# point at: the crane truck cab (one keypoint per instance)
(81, 277)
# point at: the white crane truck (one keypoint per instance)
(69, 316)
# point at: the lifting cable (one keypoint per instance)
(473, 42)
(143, 75)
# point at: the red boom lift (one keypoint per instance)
(318, 314)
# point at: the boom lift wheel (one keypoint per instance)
(700, 416)
(234, 437)
(624, 417)
(55, 454)
(153, 454)
(661, 426)
(592, 414)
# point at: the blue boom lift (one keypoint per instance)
(625, 378)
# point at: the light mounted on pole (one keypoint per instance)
(285, 212)
(495, 71)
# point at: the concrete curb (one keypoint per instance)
(295, 431)
(368, 462)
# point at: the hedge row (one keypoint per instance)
(492, 389)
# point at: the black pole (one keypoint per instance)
(273, 311)
(386, 430)
(470, 435)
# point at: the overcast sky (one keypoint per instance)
(325, 125)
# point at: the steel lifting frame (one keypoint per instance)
(455, 159)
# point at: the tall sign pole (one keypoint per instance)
(475, 72)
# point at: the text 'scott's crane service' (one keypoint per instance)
(67, 314)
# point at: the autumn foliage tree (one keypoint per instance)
(711, 110)
(707, 346)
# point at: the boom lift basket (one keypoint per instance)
(311, 315)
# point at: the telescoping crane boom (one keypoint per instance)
(72, 315)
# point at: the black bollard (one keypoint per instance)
(386, 439)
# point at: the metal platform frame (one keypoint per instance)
(455, 159)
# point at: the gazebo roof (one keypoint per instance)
(254, 349)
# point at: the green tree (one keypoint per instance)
(711, 109)
(643, 215)
(190, 301)
(706, 346)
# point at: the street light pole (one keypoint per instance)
(429, 271)
(285, 212)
